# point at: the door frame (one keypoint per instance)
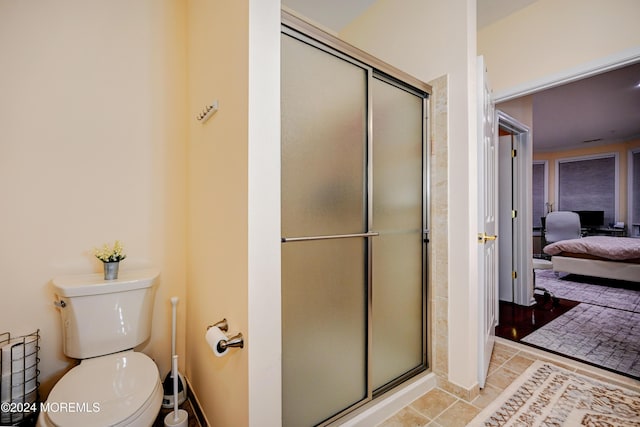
(601, 65)
(521, 236)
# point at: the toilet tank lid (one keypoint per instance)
(94, 284)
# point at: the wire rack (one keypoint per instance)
(19, 396)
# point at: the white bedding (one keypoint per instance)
(623, 249)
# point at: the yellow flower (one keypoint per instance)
(110, 254)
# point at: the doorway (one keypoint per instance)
(518, 102)
(514, 148)
(354, 221)
(522, 104)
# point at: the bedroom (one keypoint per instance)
(585, 133)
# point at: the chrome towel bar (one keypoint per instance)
(334, 236)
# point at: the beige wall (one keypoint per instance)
(520, 109)
(551, 36)
(96, 134)
(92, 149)
(430, 39)
(218, 188)
(622, 149)
(234, 208)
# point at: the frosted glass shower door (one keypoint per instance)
(398, 216)
(324, 227)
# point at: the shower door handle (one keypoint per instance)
(328, 237)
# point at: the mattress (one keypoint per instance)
(606, 248)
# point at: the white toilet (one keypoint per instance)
(102, 321)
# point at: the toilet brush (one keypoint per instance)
(177, 417)
(170, 380)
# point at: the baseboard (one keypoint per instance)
(467, 394)
(386, 405)
(372, 414)
(195, 404)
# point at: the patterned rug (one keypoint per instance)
(592, 290)
(602, 330)
(547, 395)
(602, 336)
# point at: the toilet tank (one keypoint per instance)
(105, 316)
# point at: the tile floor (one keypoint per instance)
(438, 408)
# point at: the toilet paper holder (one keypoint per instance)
(234, 341)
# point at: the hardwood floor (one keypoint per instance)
(517, 321)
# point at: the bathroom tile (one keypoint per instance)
(501, 353)
(502, 378)
(487, 395)
(458, 415)
(406, 417)
(518, 363)
(433, 403)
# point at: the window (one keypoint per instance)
(539, 184)
(588, 183)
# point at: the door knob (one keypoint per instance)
(483, 238)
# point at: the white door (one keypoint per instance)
(487, 223)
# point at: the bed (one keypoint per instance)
(599, 256)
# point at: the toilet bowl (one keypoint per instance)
(102, 321)
(122, 389)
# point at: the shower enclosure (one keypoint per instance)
(354, 227)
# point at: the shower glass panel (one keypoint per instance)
(323, 142)
(353, 211)
(398, 215)
(324, 329)
(324, 195)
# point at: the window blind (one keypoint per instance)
(588, 184)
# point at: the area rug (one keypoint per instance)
(604, 292)
(547, 395)
(600, 330)
(601, 336)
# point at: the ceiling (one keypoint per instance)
(597, 110)
(601, 109)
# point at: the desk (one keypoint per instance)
(605, 231)
(537, 241)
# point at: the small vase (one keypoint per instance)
(111, 270)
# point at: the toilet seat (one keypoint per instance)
(109, 390)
